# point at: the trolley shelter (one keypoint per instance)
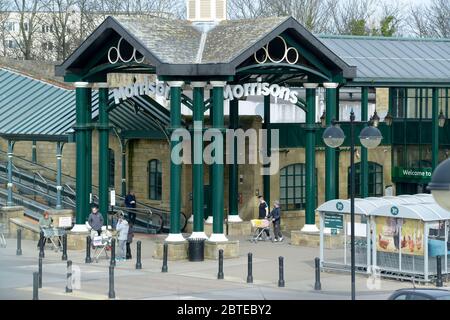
(334, 215)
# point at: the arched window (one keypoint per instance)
(375, 180)
(112, 164)
(154, 180)
(293, 187)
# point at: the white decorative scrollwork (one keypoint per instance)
(119, 57)
(285, 56)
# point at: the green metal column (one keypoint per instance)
(266, 126)
(364, 178)
(435, 129)
(103, 149)
(310, 157)
(83, 94)
(217, 167)
(330, 153)
(197, 154)
(123, 186)
(89, 146)
(33, 152)
(337, 151)
(9, 201)
(233, 168)
(175, 168)
(58, 175)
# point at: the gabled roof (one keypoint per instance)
(178, 47)
(35, 110)
(387, 59)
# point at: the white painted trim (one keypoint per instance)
(82, 85)
(198, 235)
(191, 219)
(234, 218)
(219, 84)
(175, 84)
(330, 85)
(210, 219)
(175, 237)
(310, 228)
(218, 237)
(310, 85)
(80, 228)
(198, 84)
(103, 85)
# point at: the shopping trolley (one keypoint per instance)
(260, 225)
(54, 235)
(102, 244)
(2, 236)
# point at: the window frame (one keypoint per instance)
(154, 182)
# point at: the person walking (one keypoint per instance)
(275, 215)
(122, 229)
(130, 202)
(263, 213)
(44, 222)
(129, 240)
(95, 220)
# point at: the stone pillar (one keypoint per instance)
(217, 190)
(197, 166)
(364, 165)
(310, 153)
(103, 149)
(175, 167)
(58, 175)
(33, 152)
(83, 94)
(330, 153)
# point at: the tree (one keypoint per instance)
(351, 16)
(245, 9)
(4, 15)
(432, 20)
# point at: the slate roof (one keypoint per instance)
(393, 59)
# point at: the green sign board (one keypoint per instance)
(412, 174)
(334, 221)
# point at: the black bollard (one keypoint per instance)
(19, 242)
(88, 250)
(69, 277)
(111, 294)
(438, 272)
(40, 272)
(250, 268)
(220, 274)
(317, 285)
(35, 285)
(165, 251)
(113, 252)
(281, 276)
(64, 248)
(138, 256)
(41, 246)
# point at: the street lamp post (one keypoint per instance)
(370, 137)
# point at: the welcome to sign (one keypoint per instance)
(422, 174)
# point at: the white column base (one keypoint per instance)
(234, 218)
(191, 219)
(218, 237)
(210, 219)
(310, 228)
(175, 237)
(198, 235)
(80, 228)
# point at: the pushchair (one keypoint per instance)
(260, 225)
(101, 244)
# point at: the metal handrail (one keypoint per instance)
(148, 212)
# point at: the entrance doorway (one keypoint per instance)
(410, 188)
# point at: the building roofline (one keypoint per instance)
(332, 36)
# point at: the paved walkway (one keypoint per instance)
(185, 280)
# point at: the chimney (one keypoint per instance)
(206, 10)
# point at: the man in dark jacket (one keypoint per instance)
(95, 220)
(263, 212)
(275, 215)
(130, 202)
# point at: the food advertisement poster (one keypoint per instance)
(393, 233)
